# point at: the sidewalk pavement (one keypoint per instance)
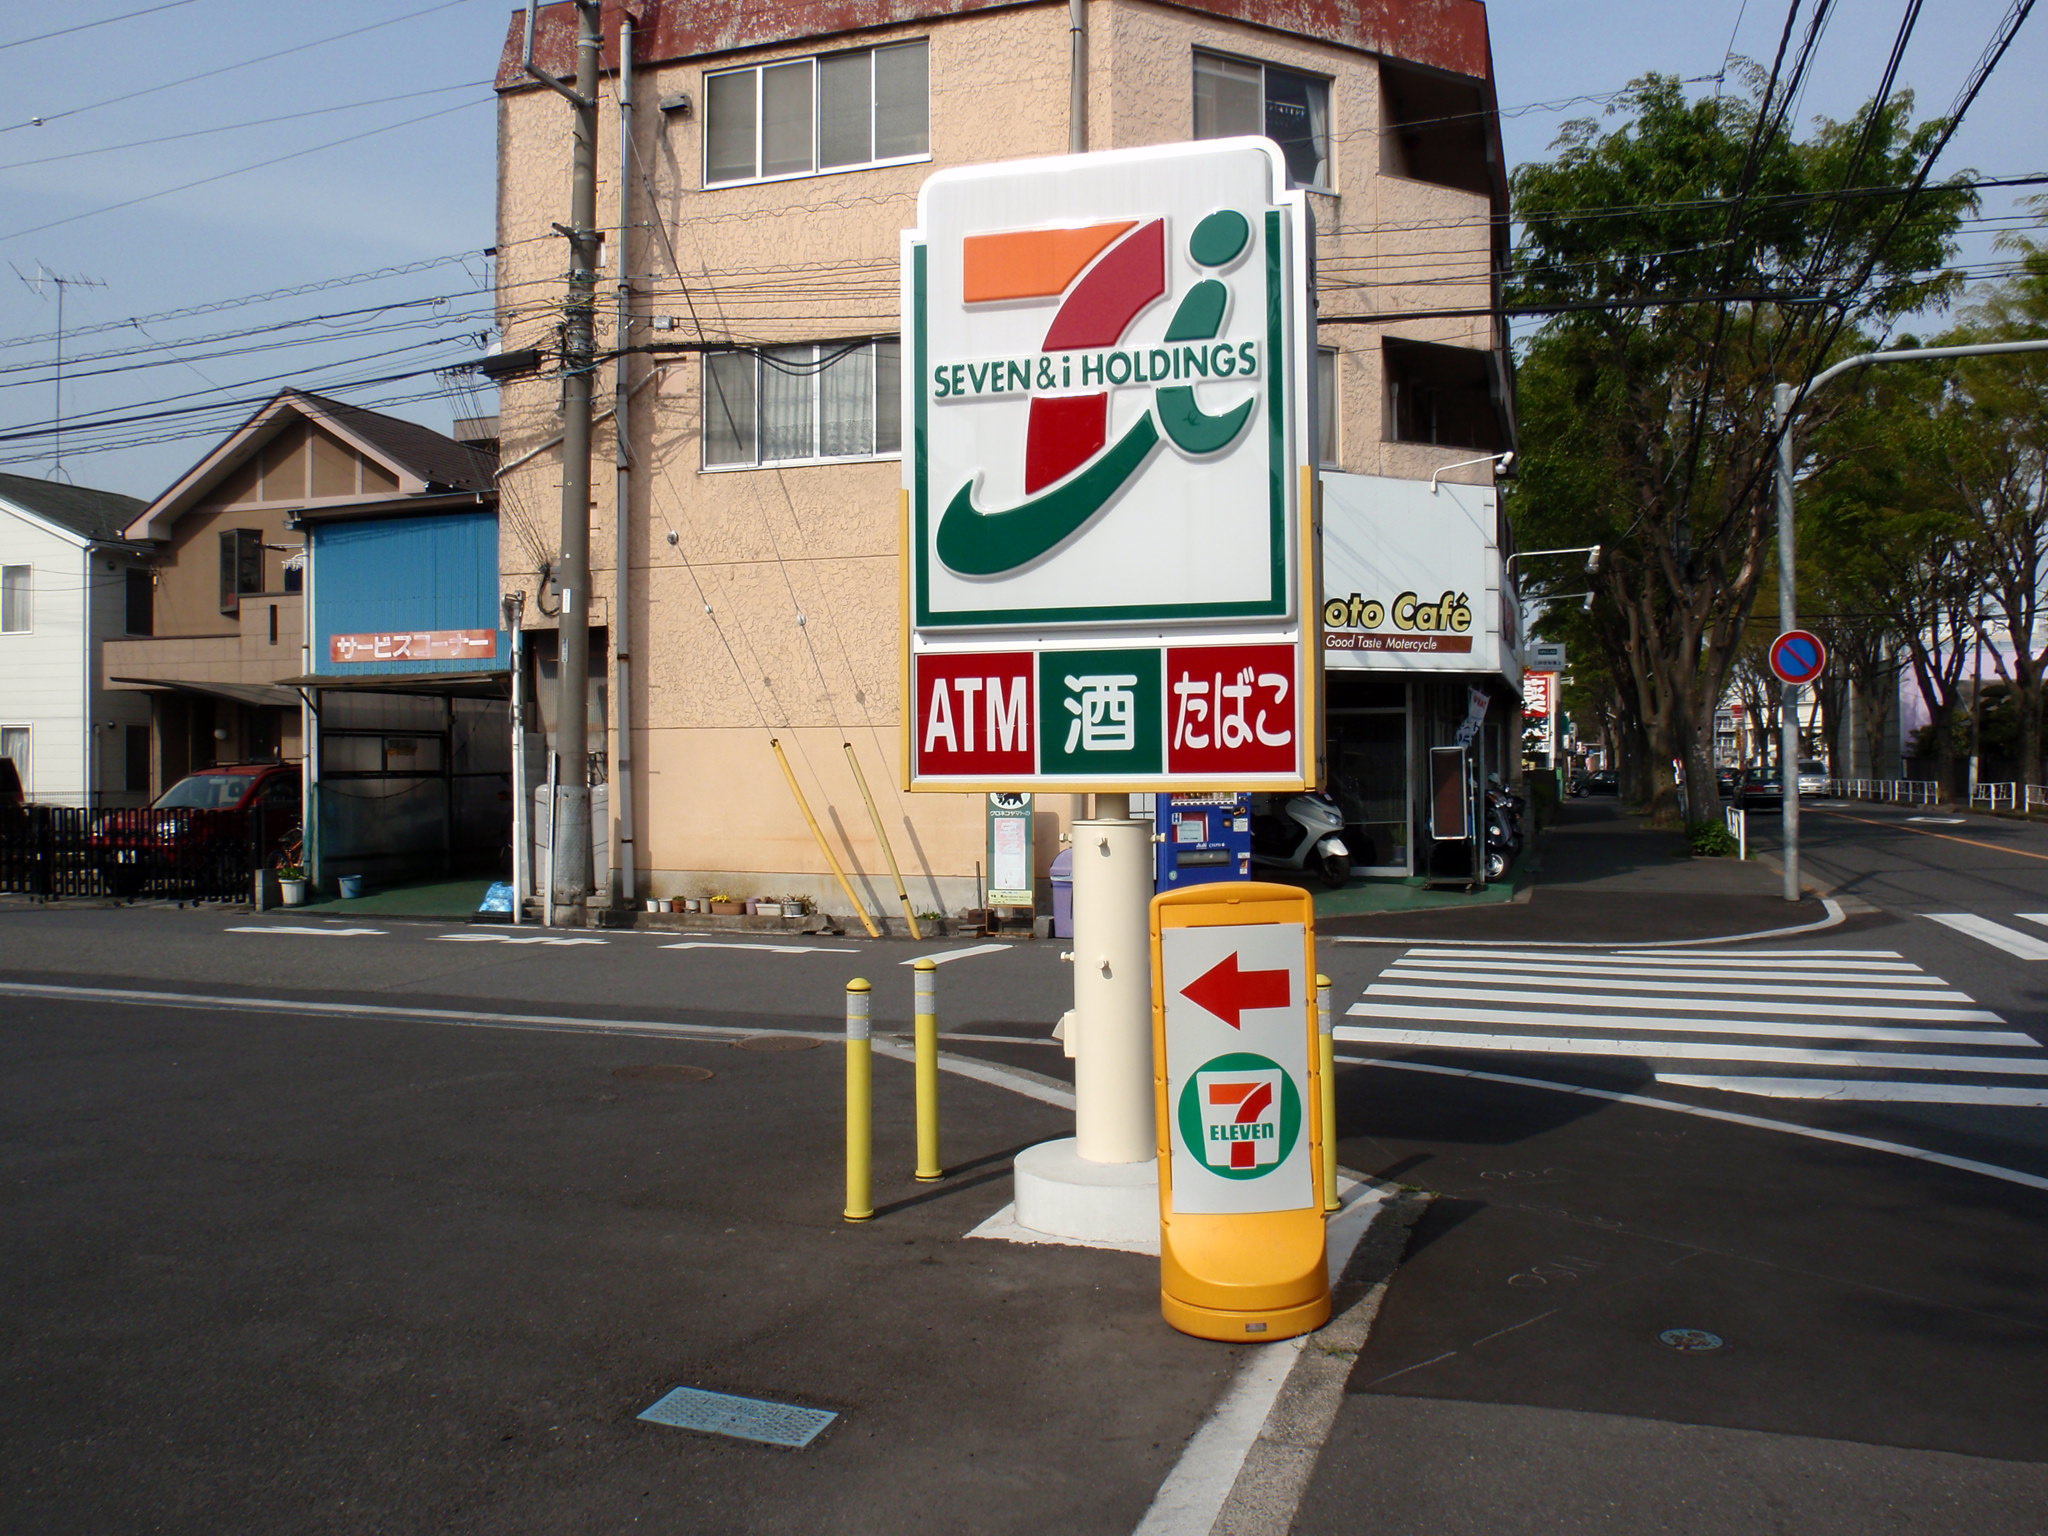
(1601, 875)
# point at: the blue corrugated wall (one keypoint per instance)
(435, 571)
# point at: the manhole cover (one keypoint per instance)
(664, 1072)
(776, 1043)
(1690, 1341)
(746, 1418)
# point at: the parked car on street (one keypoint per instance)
(1603, 782)
(1813, 776)
(1761, 786)
(207, 828)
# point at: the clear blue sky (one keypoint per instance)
(124, 123)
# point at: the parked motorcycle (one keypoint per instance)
(1503, 830)
(1302, 832)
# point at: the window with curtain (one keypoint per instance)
(1241, 96)
(815, 400)
(17, 610)
(834, 112)
(15, 747)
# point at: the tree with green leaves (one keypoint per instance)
(1691, 257)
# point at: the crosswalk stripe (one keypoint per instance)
(774, 949)
(1896, 978)
(1866, 1090)
(1997, 935)
(1939, 993)
(506, 938)
(2034, 917)
(1698, 1004)
(1687, 1050)
(1759, 1028)
(313, 933)
(1856, 959)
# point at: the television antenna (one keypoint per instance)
(44, 275)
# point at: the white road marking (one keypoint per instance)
(961, 954)
(1691, 1050)
(1874, 959)
(318, 933)
(1894, 976)
(2033, 917)
(1939, 821)
(1698, 1004)
(1761, 1028)
(1726, 1116)
(1997, 935)
(506, 938)
(1402, 971)
(1867, 1090)
(773, 949)
(1834, 919)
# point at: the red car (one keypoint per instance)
(202, 832)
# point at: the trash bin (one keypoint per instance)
(1063, 895)
(351, 886)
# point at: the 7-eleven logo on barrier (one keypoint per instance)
(1240, 1115)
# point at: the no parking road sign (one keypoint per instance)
(1242, 1247)
(1798, 656)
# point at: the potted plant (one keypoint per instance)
(724, 904)
(291, 884)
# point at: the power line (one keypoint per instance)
(87, 26)
(45, 118)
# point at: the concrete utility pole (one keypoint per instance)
(1785, 400)
(569, 835)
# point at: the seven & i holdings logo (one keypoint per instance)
(1240, 1114)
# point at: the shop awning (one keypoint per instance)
(261, 695)
(459, 685)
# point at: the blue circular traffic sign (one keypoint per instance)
(1798, 656)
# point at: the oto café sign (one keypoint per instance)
(1109, 579)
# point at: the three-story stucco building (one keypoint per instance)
(756, 169)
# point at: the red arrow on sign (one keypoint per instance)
(1228, 992)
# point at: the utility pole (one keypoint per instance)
(45, 275)
(569, 835)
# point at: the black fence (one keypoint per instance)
(57, 851)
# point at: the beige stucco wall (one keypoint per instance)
(774, 612)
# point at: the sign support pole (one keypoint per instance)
(1113, 989)
(1788, 710)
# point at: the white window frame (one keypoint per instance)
(821, 352)
(28, 598)
(816, 63)
(27, 764)
(1326, 180)
(1329, 418)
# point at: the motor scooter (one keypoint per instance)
(1302, 832)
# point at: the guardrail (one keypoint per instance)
(1888, 791)
(2033, 797)
(1995, 797)
(1738, 824)
(56, 851)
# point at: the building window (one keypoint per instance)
(135, 745)
(1326, 406)
(17, 613)
(241, 566)
(1443, 395)
(817, 400)
(1236, 96)
(1437, 128)
(141, 614)
(836, 112)
(15, 747)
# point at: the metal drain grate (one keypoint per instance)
(744, 1418)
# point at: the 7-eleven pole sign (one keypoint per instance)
(1109, 576)
(1240, 1132)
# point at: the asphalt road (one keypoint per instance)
(361, 1229)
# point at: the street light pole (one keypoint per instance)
(1785, 400)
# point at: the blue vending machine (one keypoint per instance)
(1202, 839)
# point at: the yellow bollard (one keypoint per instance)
(1326, 1064)
(860, 1104)
(926, 1036)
